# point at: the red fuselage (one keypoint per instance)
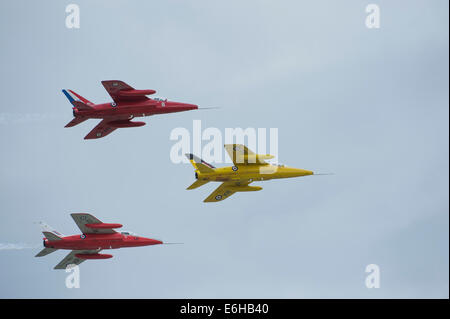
(129, 110)
(100, 241)
(127, 104)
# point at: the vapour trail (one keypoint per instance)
(19, 246)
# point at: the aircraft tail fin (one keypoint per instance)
(199, 164)
(197, 184)
(74, 97)
(45, 251)
(49, 232)
(80, 103)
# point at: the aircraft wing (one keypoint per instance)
(89, 224)
(101, 130)
(122, 92)
(225, 190)
(71, 259)
(242, 155)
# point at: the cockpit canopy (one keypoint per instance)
(161, 99)
(280, 165)
(128, 233)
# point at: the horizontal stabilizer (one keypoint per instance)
(76, 121)
(45, 252)
(197, 184)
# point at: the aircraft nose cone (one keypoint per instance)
(150, 241)
(191, 106)
(302, 172)
(185, 106)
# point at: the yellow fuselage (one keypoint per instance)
(253, 172)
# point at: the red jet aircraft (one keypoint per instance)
(128, 104)
(96, 236)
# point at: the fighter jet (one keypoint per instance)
(127, 104)
(248, 167)
(95, 237)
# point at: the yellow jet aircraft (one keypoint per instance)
(248, 167)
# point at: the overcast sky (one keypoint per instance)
(369, 105)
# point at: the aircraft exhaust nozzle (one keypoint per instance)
(93, 256)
